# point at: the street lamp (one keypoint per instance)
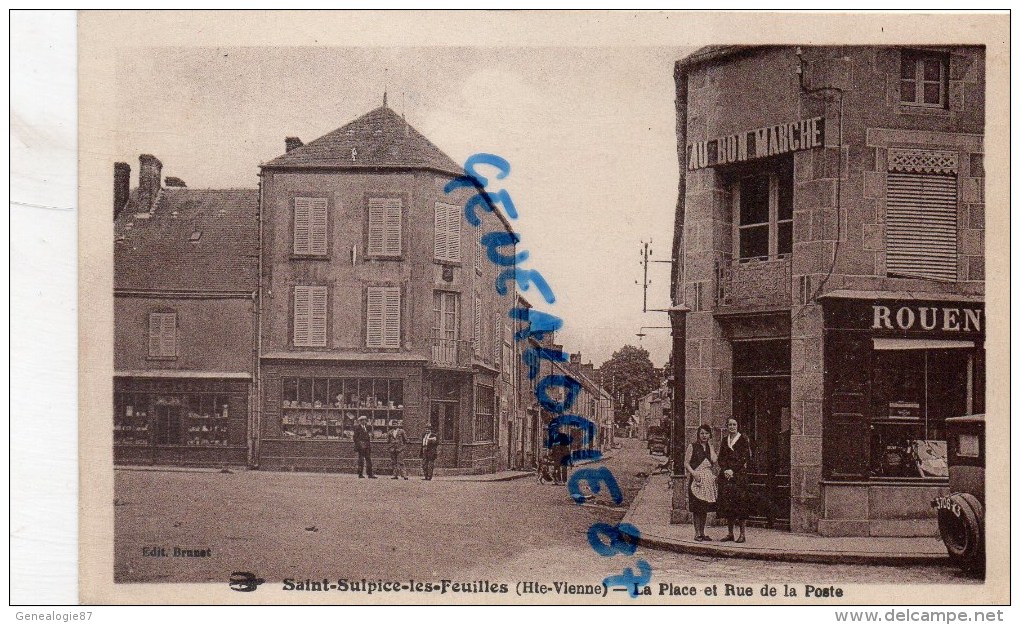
(641, 334)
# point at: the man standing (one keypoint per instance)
(398, 440)
(363, 445)
(429, 451)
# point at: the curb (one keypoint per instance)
(173, 469)
(718, 550)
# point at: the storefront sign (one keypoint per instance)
(758, 143)
(940, 318)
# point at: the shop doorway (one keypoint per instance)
(761, 404)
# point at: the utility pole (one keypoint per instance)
(646, 251)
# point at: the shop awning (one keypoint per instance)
(891, 344)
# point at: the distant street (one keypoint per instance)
(281, 525)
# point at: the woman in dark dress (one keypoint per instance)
(734, 462)
(700, 462)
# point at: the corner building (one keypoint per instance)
(379, 302)
(831, 233)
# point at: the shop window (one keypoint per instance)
(383, 317)
(763, 213)
(447, 235)
(921, 224)
(310, 316)
(162, 335)
(328, 408)
(924, 78)
(485, 403)
(310, 222)
(913, 392)
(384, 226)
(131, 419)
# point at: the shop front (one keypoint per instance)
(182, 421)
(896, 367)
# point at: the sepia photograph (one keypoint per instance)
(699, 319)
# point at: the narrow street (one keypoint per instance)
(280, 525)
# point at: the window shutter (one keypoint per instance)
(442, 243)
(391, 328)
(921, 226)
(302, 316)
(383, 317)
(317, 325)
(302, 225)
(384, 226)
(318, 219)
(168, 336)
(155, 330)
(478, 323)
(447, 244)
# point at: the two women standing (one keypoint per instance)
(727, 493)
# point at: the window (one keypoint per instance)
(485, 402)
(924, 79)
(383, 316)
(447, 238)
(328, 408)
(508, 355)
(384, 226)
(445, 327)
(764, 214)
(497, 339)
(162, 335)
(478, 324)
(310, 226)
(921, 224)
(310, 316)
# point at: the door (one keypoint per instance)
(762, 407)
(168, 425)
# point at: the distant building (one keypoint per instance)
(185, 287)
(831, 233)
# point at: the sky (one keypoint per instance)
(589, 132)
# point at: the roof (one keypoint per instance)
(708, 54)
(379, 139)
(156, 251)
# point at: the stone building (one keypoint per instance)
(831, 228)
(185, 287)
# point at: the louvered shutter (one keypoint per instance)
(302, 225)
(168, 336)
(384, 226)
(317, 314)
(155, 329)
(383, 317)
(302, 316)
(391, 327)
(447, 242)
(478, 323)
(921, 225)
(318, 219)
(374, 317)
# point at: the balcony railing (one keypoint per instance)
(451, 352)
(752, 284)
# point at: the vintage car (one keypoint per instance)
(961, 513)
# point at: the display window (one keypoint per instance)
(189, 419)
(328, 408)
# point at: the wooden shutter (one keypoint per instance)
(302, 225)
(318, 220)
(383, 317)
(310, 304)
(447, 241)
(384, 226)
(921, 226)
(478, 323)
(162, 335)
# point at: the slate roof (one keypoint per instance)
(156, 252)
(379, 139)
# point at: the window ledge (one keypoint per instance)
(384, 257)
(906, 108)
(309, 257)
(161, 358)
(447, 263)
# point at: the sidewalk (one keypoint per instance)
(650, 514)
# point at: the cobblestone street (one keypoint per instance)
(281, 525)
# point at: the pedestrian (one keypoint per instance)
(429, 451)
(363, 445)
(559, 455)
(734, 462)
(701, 464)
(398, 440)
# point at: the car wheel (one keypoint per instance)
(963, 535)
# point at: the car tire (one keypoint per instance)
(964, 535)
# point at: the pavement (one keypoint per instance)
(500, 476)
(650, 513)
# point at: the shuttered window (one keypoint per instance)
(478, 324)
(310, 316)
(310, 225)
(921, 228)
(384, 227)
(383, 317)
(447, 241)
(163, 335)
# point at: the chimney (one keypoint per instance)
(588, 370)
(121, 187)
(149, 178)
(292, 143)
(575, 359)
(173, 181)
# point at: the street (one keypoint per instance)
(299, 525)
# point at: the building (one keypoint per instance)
(378, 301)
(830, 229)
(185, 287)
(649, 413)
